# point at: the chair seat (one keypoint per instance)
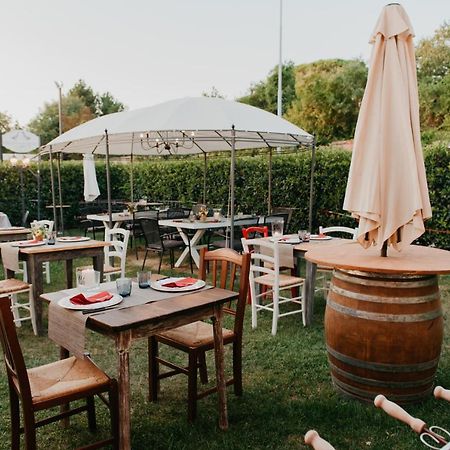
(111, 269)
(64, 378)
(237, 245)
(172, 243)
(325, 268)
(195, 334)
(11, 285)
(284, 280)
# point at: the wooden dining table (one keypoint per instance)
(67, 251)
(10, 234)
(125, 325)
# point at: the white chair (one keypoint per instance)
(11, 287)
(118, 238)
(48, 225)
(323, 271)
(265, 271)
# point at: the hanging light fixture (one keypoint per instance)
(169, 141)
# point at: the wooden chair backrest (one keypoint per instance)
(15, 364)
(226, 267)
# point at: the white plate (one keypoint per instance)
(66, 303)
(23, 244)
(316, 237)
(158, 285)
(290, 240)
(73, 239)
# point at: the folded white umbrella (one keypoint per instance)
(91, 190)
(387, 187)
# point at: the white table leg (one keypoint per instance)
(194, 247)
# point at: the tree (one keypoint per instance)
(80, 105)
(433, 74)
(5, 122)
(264, 94)
(328, 96)
(214, 93)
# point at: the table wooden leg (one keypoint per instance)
(69, 273)
(98, 261)
(310, 283)
(220, 369)
(123, 343)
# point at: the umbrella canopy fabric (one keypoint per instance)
(20, 141)
(91, 190)
(387, 187)
(198, 125)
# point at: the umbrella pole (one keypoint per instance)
(52, 181)
(58, 174)
(108, 180)
(311, 184)
(233, 163)
(205, 166)
(38, 179)
(132, 179)
(269, 197)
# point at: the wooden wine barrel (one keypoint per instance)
(383, 334)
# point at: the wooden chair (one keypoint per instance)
(323, 272)
(255, 232)
(196, 338)
(51, 385)
(265, 274)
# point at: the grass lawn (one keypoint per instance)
(287, 390)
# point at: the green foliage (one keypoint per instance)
(80, 105)
(5, 122)
(329, 93)
(182, 179)
(264, 94)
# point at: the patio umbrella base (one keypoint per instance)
(383, 321)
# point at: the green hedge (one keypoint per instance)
(182, 179)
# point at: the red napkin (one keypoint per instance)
(80, 299)
(181, 283)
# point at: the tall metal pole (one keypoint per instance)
(205, 166)
(1, 147)
(38, 180)
(22, 190)
(269, 197)
(311, 184)
(58, 173)
(280, 66)
(108, 179)
(52, 181)
(59, 86)
(232, 172)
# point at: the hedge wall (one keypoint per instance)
(182, 179)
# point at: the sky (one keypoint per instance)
(149, 51)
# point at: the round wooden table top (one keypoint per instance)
(351, 256)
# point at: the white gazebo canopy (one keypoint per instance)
(199, 125)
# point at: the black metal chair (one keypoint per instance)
(156, 243)
(135, 226)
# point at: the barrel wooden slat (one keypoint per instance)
(384, 334)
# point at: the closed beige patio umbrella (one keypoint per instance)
(387, 187)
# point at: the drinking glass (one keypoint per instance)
(123, 286)
(87, 278)
(302, 235)
(144, 279)
(277, 227)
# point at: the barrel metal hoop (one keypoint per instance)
(383, 367)
(381, 383)
(352, 391)
(379, 299)
(420, 281)
(402, 318)
(387, 276)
